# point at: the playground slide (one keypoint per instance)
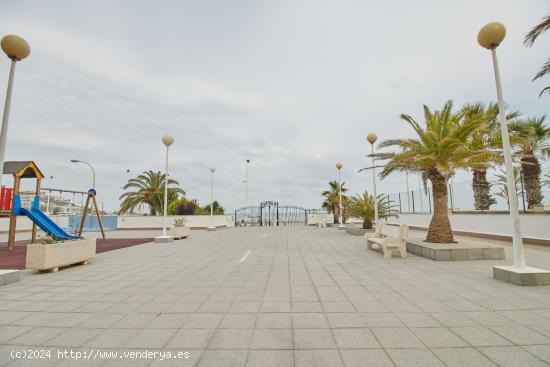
(41, 220)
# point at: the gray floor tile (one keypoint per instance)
(345, 320)
(73, 337)
(150, 338)
(416, 319)
(318, 358)
(270, 358)
(231, 339)
(238, 321)
(274, 321)
(309, 321)
(36, 336)
(520, 335)
(380, 319)
(461, 357)
(413, 358)
(438, 337)
(306, 306)
(355, 338)
(454, 319)
(111, 338)
(512, 356)
(225, 358)
(272, 339)
(480, 336)
(365, 357)
(313, 339)
(185, 339)
(397, 338)
(203, 321)
(12, 331)
(541, 351)
(168, 321)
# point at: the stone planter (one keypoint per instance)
(179, 232)
(53, 256)
(358, 231)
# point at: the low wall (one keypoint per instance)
(535, 227)
(131, 222)
(313, 219)
(193, 221)
(25, 224)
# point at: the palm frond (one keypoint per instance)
(536, 31)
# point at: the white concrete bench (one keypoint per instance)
(391, 240)
(376, 234)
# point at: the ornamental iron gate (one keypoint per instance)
(270, 213)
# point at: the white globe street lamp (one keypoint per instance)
(91, 167)
(17, 49)
(339, 168)
(167, 140)
(211, 227)
(371, 138)
(490, 37)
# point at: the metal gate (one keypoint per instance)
(270, 213)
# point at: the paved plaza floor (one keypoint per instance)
(279, 297)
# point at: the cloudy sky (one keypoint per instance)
(295, 86)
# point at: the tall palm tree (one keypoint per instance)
(440, 148)
(486, 137)
(362, 206)
(533, 142)
(530, 39)
(148, 188)
(502, 184)
(332, 199)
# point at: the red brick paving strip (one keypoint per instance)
(16, 259)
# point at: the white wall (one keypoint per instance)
(193, 221)
(24, 223)
(314, 218)
(535, 226)
(132, 222)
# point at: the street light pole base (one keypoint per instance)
(211, 228)
(521, 276)
(164, 239)
(341, 226)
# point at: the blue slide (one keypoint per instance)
(41, 219)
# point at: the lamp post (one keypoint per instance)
(91, 167)
(246, 185)
(371, 138)
(167, 140)
(490, 37)
(17, 49)
(246, 193)
(408, 192)
(49, 196)
(211, 227)
(339, 168)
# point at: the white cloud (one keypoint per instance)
(294, 86)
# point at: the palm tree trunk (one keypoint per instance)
(530, 168)
(440, 227)
(336, 213)
(482, 189)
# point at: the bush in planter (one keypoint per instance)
(48, 240)
(179, 228)
(180, 222)
(362, 206)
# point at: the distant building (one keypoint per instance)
(58, 205)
